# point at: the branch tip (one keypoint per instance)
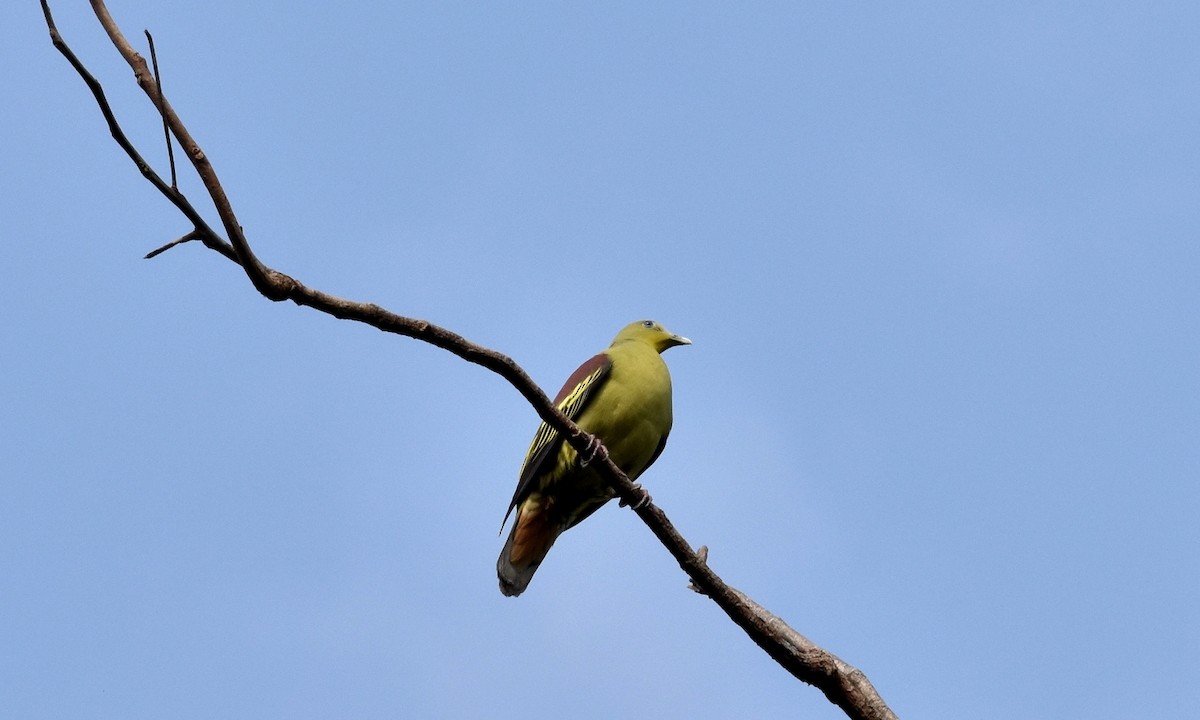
(193, 235)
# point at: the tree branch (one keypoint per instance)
(844, 685)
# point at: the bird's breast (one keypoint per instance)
(634, 412)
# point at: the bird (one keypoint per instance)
(622, 397)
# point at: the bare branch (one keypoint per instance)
(844, 685)
(270, 285)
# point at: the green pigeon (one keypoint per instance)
(621, 396)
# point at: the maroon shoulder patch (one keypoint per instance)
(592, 365)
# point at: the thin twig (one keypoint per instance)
(166, 130)
(844, 685)
(193, 235)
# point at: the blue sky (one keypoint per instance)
(939, 262)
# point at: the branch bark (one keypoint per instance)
(843, 684)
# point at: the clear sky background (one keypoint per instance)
(940, 262)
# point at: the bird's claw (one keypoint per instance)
(595, 449)
(641, 502)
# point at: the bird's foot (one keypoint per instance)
(595, 449)
(641, 502)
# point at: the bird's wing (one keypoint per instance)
(571, 399)
(662, 443)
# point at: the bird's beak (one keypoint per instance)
(679, 340)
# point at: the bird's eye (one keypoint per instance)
(648, 323)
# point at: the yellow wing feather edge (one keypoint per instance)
(570, 407)
(546, 436)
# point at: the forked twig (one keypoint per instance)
(207, 235)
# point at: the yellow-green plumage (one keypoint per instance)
(623, 397)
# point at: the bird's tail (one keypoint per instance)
(532, 535)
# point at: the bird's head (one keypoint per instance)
(651, 333)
